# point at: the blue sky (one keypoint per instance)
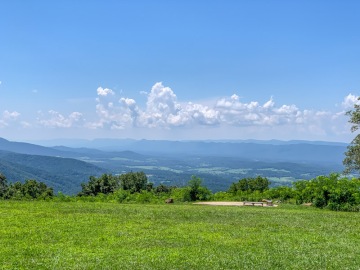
(178, 69)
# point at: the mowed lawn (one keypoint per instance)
(79, 235)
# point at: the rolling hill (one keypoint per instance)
(63, 174)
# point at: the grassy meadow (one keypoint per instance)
(84, 235)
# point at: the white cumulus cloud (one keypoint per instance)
(56, 119)
(163, 110)
(104, 91)
(349, 101)
(10, 115)
(7, 117)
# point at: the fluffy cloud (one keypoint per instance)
(3, 123)
(104, 91)
(56, 119)
(8, 117)
(349, 101)
(163, 110)
(234, 112)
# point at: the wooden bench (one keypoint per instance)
(268, 202)
(254, 203)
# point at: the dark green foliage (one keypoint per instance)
(3, 185)
(196, 191)
(104, 184)
(352, 155)
(282, 193)
(331, 192)
(34, 189)
(31, 189)
(250, 184)
(107, 184)
(133, 181)
(163, 189)
(63, 174)
(194, 186)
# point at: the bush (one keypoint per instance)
(330, 192)
(223, 196)
(250, 184)
(144, 197)
(282, 193)
(181, 194)
(197, 191)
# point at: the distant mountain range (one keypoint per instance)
(272, 150)
(65, 164)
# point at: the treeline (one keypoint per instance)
(134, 187)
(332, 192)
(29, 190)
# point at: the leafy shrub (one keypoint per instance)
(223, 196)
(250, 184)
(121, 195)
(181, 194)
(282, 193)
(29, 190)
(144, 197)
(330, 192)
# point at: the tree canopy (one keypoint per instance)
(3, 185)
(352, 155)
(30, 189)
(250, 184)
(107, 183)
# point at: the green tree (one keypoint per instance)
(14, 191)
(104, 184)
(3, 185)
(250, 184)
(259, 183)
(282, 193)
(163, 189)
(352, 155)
(31, 189)
(330, 191)
(194, 185)
(197, 191)
(134, 181)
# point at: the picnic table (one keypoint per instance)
(266, 202)
(254, 203)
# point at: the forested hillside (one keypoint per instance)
(63, 174)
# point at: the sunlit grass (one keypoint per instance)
(77, 235)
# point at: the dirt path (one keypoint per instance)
(231, 204)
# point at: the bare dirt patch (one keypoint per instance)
(231, 204)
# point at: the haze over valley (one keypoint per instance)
(169, 162)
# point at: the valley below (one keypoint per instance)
(171, 163)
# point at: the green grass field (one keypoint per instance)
(78, 235)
